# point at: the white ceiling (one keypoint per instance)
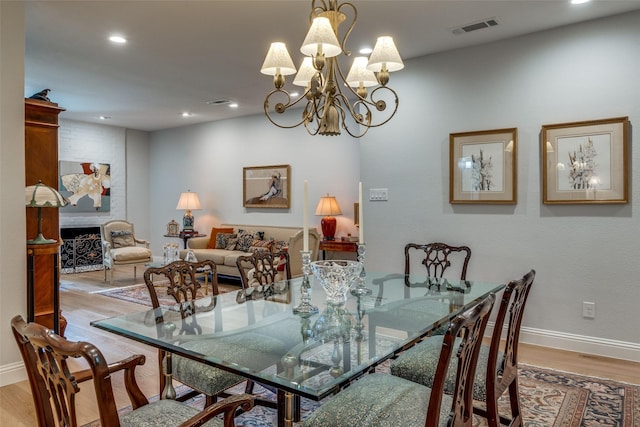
(182, 54)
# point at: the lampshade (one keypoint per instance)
(321, 35)
(328, 205)
(385, 53)
(42, 196)
(278, 58)
(305, 73)
(359, 73)
(189, 201)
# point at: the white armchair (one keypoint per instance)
(120, 247)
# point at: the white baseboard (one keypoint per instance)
(12, 373)
(578, 343)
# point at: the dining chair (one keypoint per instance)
(179, 280)
(385, 400)
(263, 268)
(437, 258)
(497, 364)
(54, 387)
(120, 246)
(259, 271)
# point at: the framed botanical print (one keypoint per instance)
(585, 162)
(266, 186)
(482, 167)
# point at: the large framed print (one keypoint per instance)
(585, 162)
(266, 186)
(483, 166)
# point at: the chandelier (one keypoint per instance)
(332, 101)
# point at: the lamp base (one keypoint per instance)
(328, 224)
(40, 240)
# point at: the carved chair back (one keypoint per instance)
(263, 268)
(502, 374)
(179, 279)
(437, 258)
(470, 326)
(54, 387)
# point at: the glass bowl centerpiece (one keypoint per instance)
(336, 277)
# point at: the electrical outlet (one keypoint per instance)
(589, 310)
(378, 194)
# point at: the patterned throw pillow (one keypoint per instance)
(244, 242)
(122, 239)
(257, 235)
(232, 244)
(278, 245)
(222, 240)
(214, 235)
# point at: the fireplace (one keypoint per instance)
(81, 249)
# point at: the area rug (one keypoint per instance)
(549, 398)
(140, 295)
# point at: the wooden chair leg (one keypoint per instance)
(514, 401)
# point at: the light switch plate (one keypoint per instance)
(378, 194)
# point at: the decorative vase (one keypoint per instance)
(336, 277)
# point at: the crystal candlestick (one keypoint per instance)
(361, 289)
(305, 306)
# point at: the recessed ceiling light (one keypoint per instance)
(105, 118)
(365, 51)
(186, 114)
(578, 1)
(117, 39)
(233, 105)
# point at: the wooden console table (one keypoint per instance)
(337, 246)
(185, 236)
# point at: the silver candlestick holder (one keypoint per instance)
(361, 289)
(305, 306)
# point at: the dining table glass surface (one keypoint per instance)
(255, 333)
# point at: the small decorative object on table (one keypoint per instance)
(170, 253)
(336, 277)
(305, 306)
(173, 228)
(361, 289)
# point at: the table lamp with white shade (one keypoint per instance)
(328, 207)
(188, 201)
(42, 196)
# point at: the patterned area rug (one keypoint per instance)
(139, 293)
(548, 398)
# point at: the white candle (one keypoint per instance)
(305, 220)
(360, 216)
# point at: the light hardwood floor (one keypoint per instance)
(80, 307)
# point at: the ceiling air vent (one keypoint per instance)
(485, 23)
(220, 101)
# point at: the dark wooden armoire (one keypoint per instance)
(43, 261)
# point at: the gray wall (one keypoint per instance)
(581, 252)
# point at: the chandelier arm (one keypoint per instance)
(280, 108)
(393, 113)
(353, 91)
(351, 27)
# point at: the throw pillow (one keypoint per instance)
(283, 260)
(222, 240)
(232, 243)
(257, 235)
(122, 239)
(244, 241)
(255, 249)
(278, 245)
(214, 235)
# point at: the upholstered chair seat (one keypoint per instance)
(163, 413)
(419, 365)
(379, 400)
(120, 246)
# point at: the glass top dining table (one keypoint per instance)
(308, 355)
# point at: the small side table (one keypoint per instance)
(337, 246)
(185, 237)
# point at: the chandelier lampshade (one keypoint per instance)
(332, 102)
(42, 196)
